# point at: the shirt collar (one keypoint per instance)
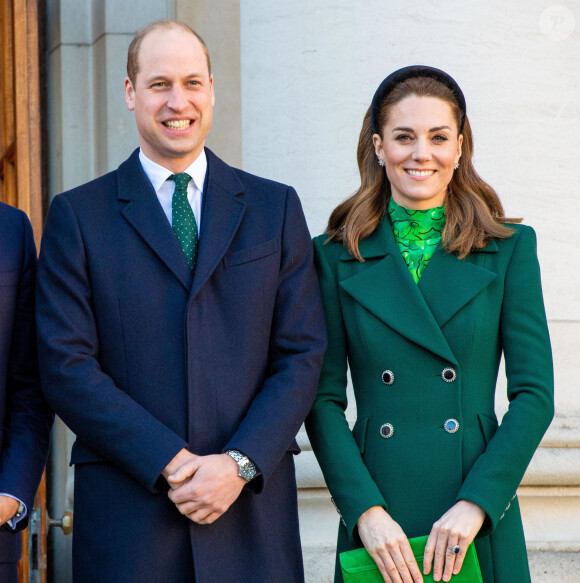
(158, 175)
(416, 225)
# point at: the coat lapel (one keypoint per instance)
(146, 216)
(449, 283)
(222, 215)
(385, 288)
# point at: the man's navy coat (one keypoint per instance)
(141, 360)
(25, 419)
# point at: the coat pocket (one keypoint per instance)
(251, 253)
(488, 426)
(359, 432)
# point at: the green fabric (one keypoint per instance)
(463, 314)
(183, 219)
(417, 234)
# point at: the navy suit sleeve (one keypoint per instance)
(297, 345)
(102, 416)
(28, 419)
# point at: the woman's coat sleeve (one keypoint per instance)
(348, 479)
(494, 478)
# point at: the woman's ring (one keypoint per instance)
(455, 550)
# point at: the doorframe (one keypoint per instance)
(29, 40)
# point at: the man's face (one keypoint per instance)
(172, 98)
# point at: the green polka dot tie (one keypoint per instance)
(184, 225)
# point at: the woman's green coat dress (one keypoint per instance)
(419, 356)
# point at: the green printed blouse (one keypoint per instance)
(417, 234)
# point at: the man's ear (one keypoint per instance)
(212, 91)
(129, 94)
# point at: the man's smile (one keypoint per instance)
(177, 124)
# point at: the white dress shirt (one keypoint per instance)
(164, 189)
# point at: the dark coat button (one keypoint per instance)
(388, 377)
(451, 425)
(387, 430)
(448, 375)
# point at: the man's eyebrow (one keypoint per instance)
(163, 77)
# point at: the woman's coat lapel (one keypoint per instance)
(383, 282)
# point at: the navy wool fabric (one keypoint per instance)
(25, 419)
(142, 358)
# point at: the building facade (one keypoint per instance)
(293, 81)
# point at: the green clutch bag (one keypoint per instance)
(359, 567)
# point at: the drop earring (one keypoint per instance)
(456, 165)
(381, 162)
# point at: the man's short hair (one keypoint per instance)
(162, 23)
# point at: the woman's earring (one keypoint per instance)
(381, 162)
(456, 165)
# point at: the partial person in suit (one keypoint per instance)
(25, 418)
(181, 336)
(425, 284)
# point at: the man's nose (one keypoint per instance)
(177, 98)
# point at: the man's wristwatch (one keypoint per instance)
(246, 468)
(20, 510)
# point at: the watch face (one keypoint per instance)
(247, 470)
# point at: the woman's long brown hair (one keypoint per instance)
(474, 213)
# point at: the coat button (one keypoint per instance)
(388, 377)
(451, 425)
(448, 375)
(387, 430)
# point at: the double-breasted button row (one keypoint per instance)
(387, 430)
(447, 374)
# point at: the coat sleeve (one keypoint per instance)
(297, 344)
(28, 417)
(348, 479)
(494, 478)
(102, 416)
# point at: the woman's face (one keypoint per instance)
(419, 146)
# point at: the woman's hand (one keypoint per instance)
(387, 544)
(458, 526)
